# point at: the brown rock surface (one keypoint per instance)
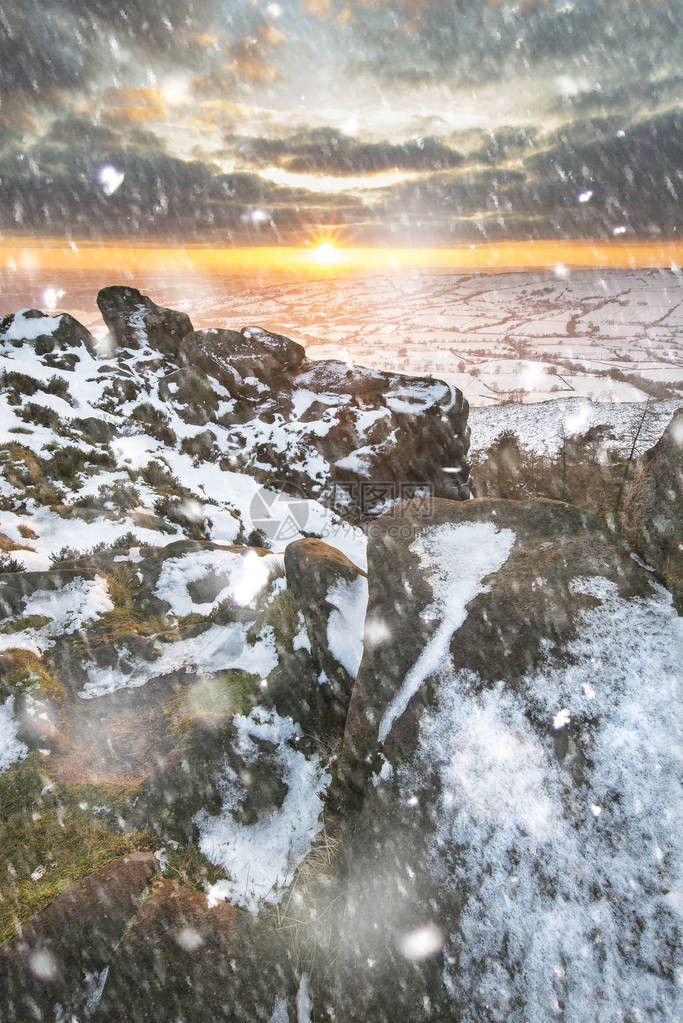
(182, 960)
(48, 964)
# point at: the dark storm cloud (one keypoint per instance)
(593, 178)
(503, 144)
(57, 186)
(327, 151)
(87, 135)
(42, 48)
(608, 68)
(625, 97)
(634, 175)
(475, 41)
(613, 182)
(48, 47)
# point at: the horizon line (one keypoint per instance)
(26, 254)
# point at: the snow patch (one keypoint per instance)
(456, 559)
(302, 640)
(246, 576)
(218, 648)
(68, 609)
(280, 1014)
(303, 1001)
(261, 858)
(11, 748)
(349, 598)
(569, 886)
(29, 328)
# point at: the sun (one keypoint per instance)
(326, 247)
(325, 253)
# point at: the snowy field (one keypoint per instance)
(522, 336)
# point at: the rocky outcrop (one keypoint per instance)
(652, 514)
(356, 439)
(135, 321)
(52, 337)
(363, 439)
(517, 670)
(332, 594)
(58, 962)
(198, 963)
(243, 360)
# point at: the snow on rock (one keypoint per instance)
(218, 648)
(420, 395)
(301, 640)
(531, 811)
(11, 748)
(280, 1013)
(349, 598)
(243, 575)
(541, 428)
(260, 859)
(303, 1001)
(456, 560)
(78, 602)
(563, 906)
(331, 593)
(27, 327)
(67, 609)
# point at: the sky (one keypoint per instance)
(410, 123)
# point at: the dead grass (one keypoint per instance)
(22, 671)
(582, 473)
(189, 867)
(210, 701)
(7, 545)
(308, 916)
(50, 838)
(116, 740)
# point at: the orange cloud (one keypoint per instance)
(136, 105)
(215, 114)
(321, 8)
(205, 41)
(248, 58)
(15, 119)
(253, 68)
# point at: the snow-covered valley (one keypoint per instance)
(525, 336)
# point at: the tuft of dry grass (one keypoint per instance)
(50, 837)
(23, 671)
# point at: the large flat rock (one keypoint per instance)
(515, 855)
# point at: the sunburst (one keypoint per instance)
(325, 253)
(325, 247)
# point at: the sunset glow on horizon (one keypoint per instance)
(33, 255)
